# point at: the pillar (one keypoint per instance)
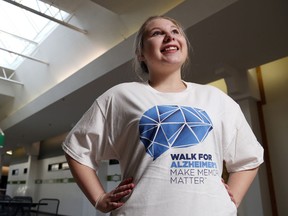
(242, 86)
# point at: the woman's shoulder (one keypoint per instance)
(121, 89)
(126, 86)
(206, 88)
(212, 93)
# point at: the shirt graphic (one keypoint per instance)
(171, 126)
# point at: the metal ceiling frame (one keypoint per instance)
(61, 22)
(19, 37)
(24, 56)
(20, 54)
(9, 78)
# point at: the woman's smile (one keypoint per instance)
(170, 49)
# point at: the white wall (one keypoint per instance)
(41, 183)
(68, 193)
(51, 184)
(17, 183)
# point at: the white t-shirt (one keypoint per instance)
(172, 144)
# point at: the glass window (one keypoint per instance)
(21, 31)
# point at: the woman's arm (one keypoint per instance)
(91, 186)
(239, 183)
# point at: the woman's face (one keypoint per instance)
(164, 45)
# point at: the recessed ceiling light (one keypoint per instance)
(9, 152)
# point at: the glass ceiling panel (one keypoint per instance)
(21, 31)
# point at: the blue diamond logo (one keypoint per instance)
(169, 126)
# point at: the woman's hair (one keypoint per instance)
(140, 66)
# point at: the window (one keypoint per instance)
(15, 172)
(21, 31)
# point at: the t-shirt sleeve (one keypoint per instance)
(243, 151)
(88, 142)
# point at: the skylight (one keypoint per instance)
(21, 31)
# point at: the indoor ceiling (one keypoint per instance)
(243, 35)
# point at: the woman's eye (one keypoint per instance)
(175, 31)
(156, 33)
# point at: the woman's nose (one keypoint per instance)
(169, 37)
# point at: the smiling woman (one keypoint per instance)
(169, 136)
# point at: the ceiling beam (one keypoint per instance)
(8, 78)
(24, 56)
(47, 17)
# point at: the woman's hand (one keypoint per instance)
(112, 200)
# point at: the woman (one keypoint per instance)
(170, 137)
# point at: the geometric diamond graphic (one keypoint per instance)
(170, 126)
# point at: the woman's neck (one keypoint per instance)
(167, 84)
